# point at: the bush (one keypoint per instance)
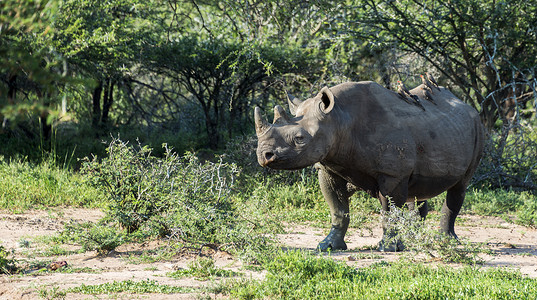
(179, 197)
(527, 214)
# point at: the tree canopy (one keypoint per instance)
(198, 67)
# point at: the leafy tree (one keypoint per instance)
(101, 40)
(30, 70)
(487, 49)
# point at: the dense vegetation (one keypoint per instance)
(144, 109)
(188, 73)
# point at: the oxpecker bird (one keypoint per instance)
(405, 94)
(431, 79)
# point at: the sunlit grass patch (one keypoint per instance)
(26, 185)
(299, 275)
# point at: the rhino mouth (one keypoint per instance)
(266, 158)
(276, 161)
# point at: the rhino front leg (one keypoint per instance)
(336, 194)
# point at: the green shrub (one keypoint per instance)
(488, 202)
(188, 201)
(527, 214)
(137, 183)
(130, 287)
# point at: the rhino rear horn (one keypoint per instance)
(261, 124)
(293, 103)
(280, 116)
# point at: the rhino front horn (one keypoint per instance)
(261, 125)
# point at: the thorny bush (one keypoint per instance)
(177, 197)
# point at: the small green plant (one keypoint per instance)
(102, 238)
(527, 214)
(7, 264)
(51, 293)
(202, 268)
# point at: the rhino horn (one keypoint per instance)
(293, 103)
(280, 116)
(261, 124)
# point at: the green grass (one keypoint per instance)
(26, 185)
(131, 287)
(299, 275)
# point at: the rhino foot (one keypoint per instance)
(391, 246)
(333, 241)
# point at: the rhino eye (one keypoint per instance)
(300, 140)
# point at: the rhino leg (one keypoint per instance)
(397, 196)
(423, 209)
(336, 194)
(450, 209)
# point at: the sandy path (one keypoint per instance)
(513, 247)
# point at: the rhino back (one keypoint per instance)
(382, 134)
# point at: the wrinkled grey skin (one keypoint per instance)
(363, 136)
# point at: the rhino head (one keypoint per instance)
(296, 142)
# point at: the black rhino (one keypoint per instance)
(363, 136)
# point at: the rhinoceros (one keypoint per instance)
(362, 136)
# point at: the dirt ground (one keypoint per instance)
(512, 246)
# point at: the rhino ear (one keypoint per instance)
(326, 104)
(294, 103)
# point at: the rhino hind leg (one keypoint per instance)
(423, 208)
(397, 197)
(450, 209)
(336, 194)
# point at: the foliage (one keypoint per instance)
(527, 214)
(510, 159)
(494, 202)
(29, 68)
(136, 182)
(178, 197)
(472, 43)
(298, 275)
(7, 265)
(52, 293)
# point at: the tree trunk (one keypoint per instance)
(108, 99)
(12, 85)
(97, 105)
